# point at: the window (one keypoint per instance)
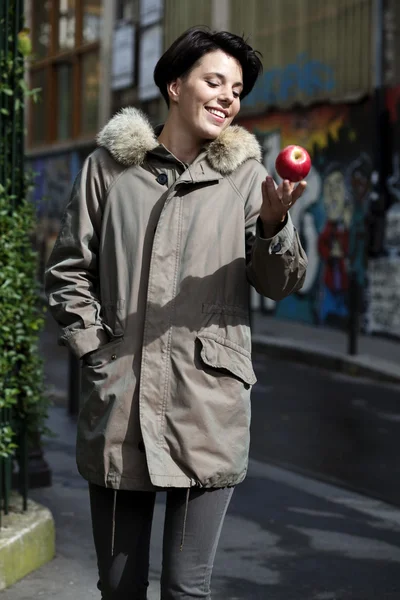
(64, 103)
(90, 92)
(92, 18)
(41, 29)
(39, 112)
(66, 24)
(127, 10)
(66, 42)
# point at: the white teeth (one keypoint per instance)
(216, 112)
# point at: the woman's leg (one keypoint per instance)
(121, 523)
(186, 572)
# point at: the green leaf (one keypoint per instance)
(22, 390)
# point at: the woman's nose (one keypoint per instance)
(226, 97)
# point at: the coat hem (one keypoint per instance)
(116, 483)
(211, 483)
(157, 483)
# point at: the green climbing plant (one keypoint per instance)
(22, 395)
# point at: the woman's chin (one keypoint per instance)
(211, 132)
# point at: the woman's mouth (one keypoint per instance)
(218, 115)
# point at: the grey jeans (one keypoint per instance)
(122, 523)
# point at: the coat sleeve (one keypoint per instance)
(71, 277)
(276, 267)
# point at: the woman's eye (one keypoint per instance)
(212, 84)
(236, 95)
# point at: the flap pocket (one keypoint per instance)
(103, 354)
(221, 353)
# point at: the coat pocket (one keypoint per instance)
(222, 354)
(104, 354)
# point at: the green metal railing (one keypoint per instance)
(12, 179)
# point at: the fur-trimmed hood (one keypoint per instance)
(128, 136)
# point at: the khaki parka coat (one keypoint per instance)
(148, 280)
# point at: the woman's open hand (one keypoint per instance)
(277, 200)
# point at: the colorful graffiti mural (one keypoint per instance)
(54, 176)
(334, 216)
(383, 290)
(281, 84)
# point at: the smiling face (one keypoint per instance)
(207, 99)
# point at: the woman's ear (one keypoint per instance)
(174, 88)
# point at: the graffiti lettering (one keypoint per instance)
(304, 76)
(392, 232)
(50, 195)
(392, 229)
(384, 296)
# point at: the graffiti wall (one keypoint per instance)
(53, 179)
(304, 76)
(383, 289)
(346, 232)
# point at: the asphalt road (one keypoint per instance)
(340, 428)
(287, 536)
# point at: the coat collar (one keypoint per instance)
(129, 136)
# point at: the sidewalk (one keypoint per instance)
(279, 522)
(286, 537)
(377, 358)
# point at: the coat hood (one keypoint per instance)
(128, 136)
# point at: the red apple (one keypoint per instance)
(293, 163)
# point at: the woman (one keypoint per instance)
(149, 282)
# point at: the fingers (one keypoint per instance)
(268, 190)
(290, 193)
(270, 185)
(298, 191)
(286, 193)
(287, 189)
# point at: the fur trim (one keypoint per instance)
(128, 136)
(232, 148)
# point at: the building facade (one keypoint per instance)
(67, 44)
(90, 59)
(331, 83)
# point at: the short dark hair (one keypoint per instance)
(192, 45)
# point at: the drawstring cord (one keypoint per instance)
(113, 522)
(185, 518)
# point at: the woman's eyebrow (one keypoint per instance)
(222, 77)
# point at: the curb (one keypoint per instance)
(27, 540)
(356, 366)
